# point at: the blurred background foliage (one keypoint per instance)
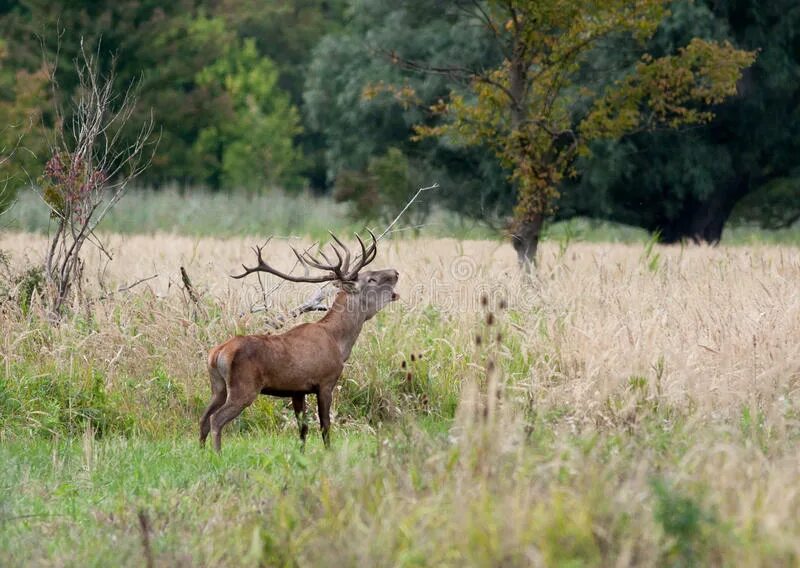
(304, 96)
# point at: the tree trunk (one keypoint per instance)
(526, 232)
(525, 240)
(704, 221)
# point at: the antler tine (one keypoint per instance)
(264, 267)
(256, 249)
(338, 255)
(324, 256)
(346, 265)
(367, 255)
(310, 260)
(373, 248)
(299, 256)
(372, 251)
(343, 263)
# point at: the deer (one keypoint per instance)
(308, 358)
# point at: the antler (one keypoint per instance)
(367, 255)
(339, 270)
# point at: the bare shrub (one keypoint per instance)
(92, 161)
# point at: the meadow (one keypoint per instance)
(201, 213)
(629, 405)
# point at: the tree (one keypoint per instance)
(251, 145)
(537, 117)
(131, 30)
(355, 99)
(286, 33)
(685, 185)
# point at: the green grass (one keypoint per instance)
(407, 495)
(198, 212)
(86, 494)
(406, 483)
(410, 480)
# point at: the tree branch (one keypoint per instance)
(454, 72)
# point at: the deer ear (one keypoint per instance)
(348, 286)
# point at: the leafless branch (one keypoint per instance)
(127, 287)
(140, 281)
(419, 192)
(455, 72)
(91, 164)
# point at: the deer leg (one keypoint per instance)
(299, 405)
(230, 410)
(324, 398)
(219, 393)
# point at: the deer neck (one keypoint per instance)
(344, 321)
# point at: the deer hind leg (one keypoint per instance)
(299, 405)
(324, 398)
(219, 393)
(231, 409)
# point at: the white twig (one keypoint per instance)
(402, 211)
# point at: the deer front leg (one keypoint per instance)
(299, 405)
(324, 397)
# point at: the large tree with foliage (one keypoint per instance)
(251, 144)
(356, 100)
(50, 32)
(686, 184)
(223, 117)
(537, 115)
(287, 32)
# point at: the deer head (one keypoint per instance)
(371, 291)
(363, 293)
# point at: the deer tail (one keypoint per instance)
(218, 365)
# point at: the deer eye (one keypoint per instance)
(371, 281)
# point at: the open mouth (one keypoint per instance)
(395, 296)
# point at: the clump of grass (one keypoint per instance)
(687, 527)
(19, 287)
(29, 284)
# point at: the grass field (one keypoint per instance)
(201, 213)
(632, 405)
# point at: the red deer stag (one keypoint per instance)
(309, 357)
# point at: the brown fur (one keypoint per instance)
(307, 359)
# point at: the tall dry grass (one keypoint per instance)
(623, 373)
(714, 325)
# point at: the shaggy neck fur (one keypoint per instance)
(344, 321)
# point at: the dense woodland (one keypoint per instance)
(368, 99)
